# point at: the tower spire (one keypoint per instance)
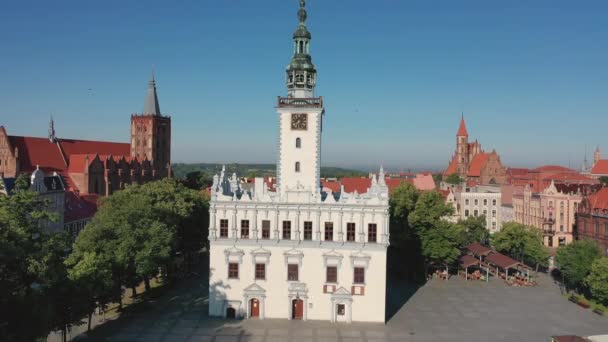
(52, 130)
(462, 130)
(151, 106)
(301, 73)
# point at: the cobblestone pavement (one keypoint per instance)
(439, 311)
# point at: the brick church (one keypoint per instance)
(89, 169)
(472, 163)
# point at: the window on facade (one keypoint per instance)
(485, 201)
(350, 231)
(493, 225)
(298, 143)
(475, 212)
(307, 230)
(476, 202)
(329, 231)
(292, 272)
(372, 233)
(466, 213)
(224, 228)
(561, 228)
(493, 213)
(233, 270)
(331, 274)
(260, 271)
(359, 275)
(606, 228)
(493, 202)
(244, 229)
(485, 212)
(597, 227)
(286, 230)
(265, 229)
(466, 201)
(297, 166)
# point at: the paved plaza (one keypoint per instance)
(438, 311)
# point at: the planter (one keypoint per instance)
(584, 304)
(598, 311)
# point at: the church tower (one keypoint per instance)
(300, 118)
(151, 133)
(596, 156)
(462, 148)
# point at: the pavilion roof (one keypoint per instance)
(502, 260)
(479, 249)
(468, 261)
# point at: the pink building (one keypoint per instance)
(553, 211)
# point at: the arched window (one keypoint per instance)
(298, 143)
(297, 166)
(301, 46)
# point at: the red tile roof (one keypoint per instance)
(452, 168)
(70, 147)
(554, 168)
(352, 184)
(599, 200)
(478, 162)
(501, 260)
(600, 168)
(479, 249)
(468, 261)
(79, 207)
(38, 151)
(462, 130)
(333, 186)
(568, 177)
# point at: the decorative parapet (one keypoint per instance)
(293, 102)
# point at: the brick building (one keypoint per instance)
(540, 178)
(472, 163)
(592, 219)
(89, 169)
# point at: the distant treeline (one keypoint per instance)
(181, 170)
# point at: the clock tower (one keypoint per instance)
(300, 119)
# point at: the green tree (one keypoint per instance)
(575, 260)
(440, 244)
(597, 280)
(33, 278)
(402, 202)
(454, 179)
(604, 180)
(430, 209)
(474, 230)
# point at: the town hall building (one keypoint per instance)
(300, 252)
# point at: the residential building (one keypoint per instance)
(298, 252)
(482, 201)
(90, 169)
(552, 211)
(421, 181)
(592, 219)
(540, 178)
(472, 163)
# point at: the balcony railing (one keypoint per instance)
(550, 232)
(313, 102)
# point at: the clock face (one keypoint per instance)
(299, 122)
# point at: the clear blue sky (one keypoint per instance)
(530, 76)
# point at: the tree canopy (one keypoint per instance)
(454, 179)
(597, 280)
(575, 260)
(522, 242)
(474, 230)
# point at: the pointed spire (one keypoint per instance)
(462, 130)
(151, 105)
(52, 138)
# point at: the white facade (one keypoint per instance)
(298, 252)
(480, 203)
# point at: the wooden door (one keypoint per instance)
(297, 311)
(254, 308)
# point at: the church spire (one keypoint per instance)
(462, 130)
(151, 106)
(301, 73)
(52, 130)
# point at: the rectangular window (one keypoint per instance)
(307, 230)
(606, 228)
(233, 270)
(286, 230)
(359, 275)
(331, 274)
(597, 227)
(485, 201)
(493, 202)
(476, 202)
(350, 231)
(466, 213)
(372, 232)
(466, 201)
(265, 229)
(475, 212)
(493, 213)
(493, 225)
(329, 231)
(260, 271)
(292, 272)
(224, 228)
(244, 229)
